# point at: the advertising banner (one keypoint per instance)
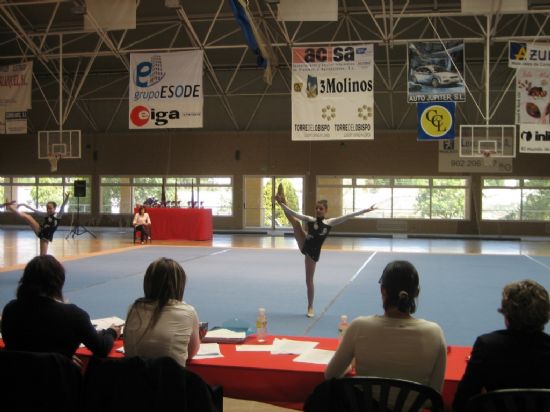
(436, 120)
(16, 122)
(532, 98)
(436, 72)
(528, 55)
(166, 90)
(333, 93)
(534, 139)
(16, 86)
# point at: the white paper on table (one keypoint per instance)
(208, 350)
(105, 323)
(253, 348)
(291, 347)
(318, 356)
(224, 334)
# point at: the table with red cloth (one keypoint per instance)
(277, 379)
(180, 223)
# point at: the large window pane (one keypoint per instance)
(380, 197)
(501, 204)
(536, 204)
(405, 204)
(448, 203)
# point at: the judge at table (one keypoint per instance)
(142, 223)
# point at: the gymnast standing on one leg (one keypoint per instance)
(310, 243)
(48, 227)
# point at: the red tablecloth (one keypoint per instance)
(276, 379)
(180, 223)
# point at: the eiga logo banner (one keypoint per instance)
(166, 90)
(436, 121)
(528, 55)
(534, 138)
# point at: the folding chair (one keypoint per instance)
(511, 400)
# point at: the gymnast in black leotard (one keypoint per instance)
(45, 230)
(310, 243)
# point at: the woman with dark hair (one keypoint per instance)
(45, 230)
(161, 323)
(40, 321)
(396, 344)
(515, 357)
(142, 223)
(310, 243)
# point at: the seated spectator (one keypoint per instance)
(515, 357)
(40, 321)
(161, 323)
(142, 223)
(394, 345)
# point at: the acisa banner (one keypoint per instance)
(16, 86)
(333, 93)
(166, 90)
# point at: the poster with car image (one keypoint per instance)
(435, 72)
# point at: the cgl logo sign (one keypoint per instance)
(436, 121)
(149, 73)
(141, 115)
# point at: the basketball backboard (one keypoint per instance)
(478, 140)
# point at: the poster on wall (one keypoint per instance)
(436, 121)
(528, 55)
(16, 122)
(333, 93)
(16, 86)
(532, 97)
(436, 72)
(166, 90)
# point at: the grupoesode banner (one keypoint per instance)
(333, 93)
(436, 121)
(166, 90)
(16, 86)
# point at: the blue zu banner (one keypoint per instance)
(436, 121)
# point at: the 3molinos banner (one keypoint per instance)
(533, 110)
(166, 90)
(333, 93)
(436, 72)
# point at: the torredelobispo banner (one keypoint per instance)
(333, 93)
(166, 90)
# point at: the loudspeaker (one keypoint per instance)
(80, 188)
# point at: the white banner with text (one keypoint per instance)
(333, 93)
(166, 90)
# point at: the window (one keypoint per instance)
(38, 191)
(522, 199)
(121, 194)
(397, 197)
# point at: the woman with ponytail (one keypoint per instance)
(395, 344)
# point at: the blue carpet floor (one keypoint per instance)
(460, 292)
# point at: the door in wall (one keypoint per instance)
(260, 210)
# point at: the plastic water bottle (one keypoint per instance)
(261, 325)
(342, 326)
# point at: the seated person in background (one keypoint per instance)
(161, 323)
(40, 321)
(515, 357)
(394, 345)
(142, 222)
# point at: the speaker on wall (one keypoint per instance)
(80, 188)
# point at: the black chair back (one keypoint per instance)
(35, 381)
(143, 385)
(373, 394)
(511, 400)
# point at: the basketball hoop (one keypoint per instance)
(487, 158)
(53, 158)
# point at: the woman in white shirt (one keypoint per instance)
(142, 222)
(396, 344)
(161, 323)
